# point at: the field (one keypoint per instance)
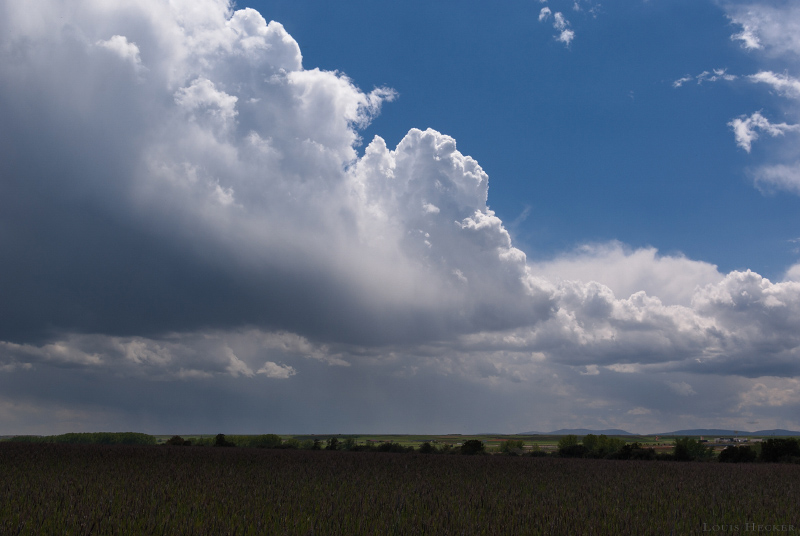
(99, 489)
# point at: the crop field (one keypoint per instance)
(100, 489)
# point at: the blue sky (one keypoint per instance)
(315, 217)
(591, 141)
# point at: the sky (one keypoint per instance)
(399, 217)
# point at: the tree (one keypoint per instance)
(333, 444)
(568, 447)
(472, 446)
(427, 448)
(178, 441)
(779, 449)
(741, 454)
(512, 446)
(687, 449)
(220, 441)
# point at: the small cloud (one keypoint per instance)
(706, 76)
(639, 411)
(748, 37)
(430, 208)
(681, 388)
(119, 45)
(745, 129)
(560, 23)
(783, 83)
(566, 37)
(276, 371)
(544, 14)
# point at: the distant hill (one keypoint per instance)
(729, 433)
(777, 432)
(581, 431)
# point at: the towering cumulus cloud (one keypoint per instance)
(181, 199)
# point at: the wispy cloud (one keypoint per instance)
(706, 76)
(746, 129)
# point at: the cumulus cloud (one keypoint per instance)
(187, 204)
(673, 279)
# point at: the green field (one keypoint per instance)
(101, 489)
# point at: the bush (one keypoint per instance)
(780, 450)
(332, 444)
(635, 451)
(473, 446)
(291, 443)
(733, 454)
(427, 448)
(512, 447)
(220, 441)
(177, 441)
(687, 449)
(573, 451)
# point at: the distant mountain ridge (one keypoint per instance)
(581, 431)
(731, 433)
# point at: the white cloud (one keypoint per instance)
(766, 26)
(778, 177)
(786, 85)
(672, 278)
(772, 392)
(706, 76)
(126, 50)
(214, 221)
(746, 129)
(559, 22)
(276, 371)
(566, 36)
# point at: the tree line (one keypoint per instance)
(786, 450)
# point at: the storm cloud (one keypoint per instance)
(181, 200)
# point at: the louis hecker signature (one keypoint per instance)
(748, 527)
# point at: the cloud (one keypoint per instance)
(560, 23)
(673, 279)
(766, 26)
(706, 76)
(184, 202)
(273, 370)
(778, 177)
(745, 129)
(786, 85)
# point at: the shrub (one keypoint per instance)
(427, 448)
(177, 441)
(733, 454)
(687, 449)
(512, 447)
(473, 446)
(220, 441)
(780, 450)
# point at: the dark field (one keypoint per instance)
(70, 489)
